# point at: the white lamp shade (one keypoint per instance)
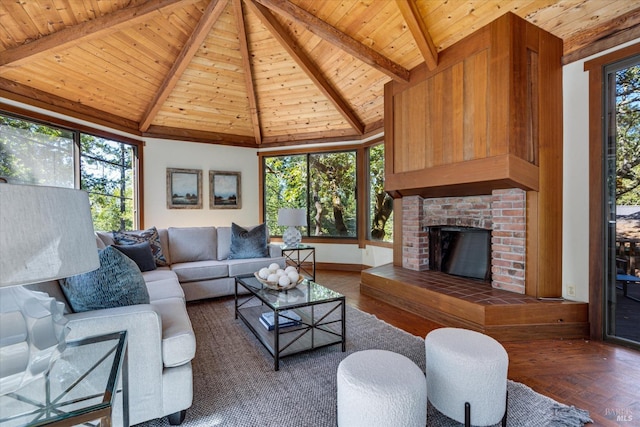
(292, 217)
(46, 233)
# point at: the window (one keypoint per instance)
(380, 203)
(285, 185)
(34, 153)
(322, 183)
(332, 194)
(43, 154)
(622, 195)
(326, 185)
(107, 174)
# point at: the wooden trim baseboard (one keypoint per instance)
(340, 266)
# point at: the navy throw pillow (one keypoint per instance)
(140, 253)
(118, 282)
(248, 243)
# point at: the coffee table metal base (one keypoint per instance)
(322, 321)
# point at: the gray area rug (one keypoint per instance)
(235, 384)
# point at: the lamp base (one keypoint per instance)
(32, 336)
(291, 237)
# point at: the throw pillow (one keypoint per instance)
(248, 243)
(117, 282)
(140, 253)
(150, 235)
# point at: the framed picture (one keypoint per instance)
(225, 190)
(184, 188)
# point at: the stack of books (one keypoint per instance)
(286, 318)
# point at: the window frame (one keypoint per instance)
(597, 183)
(77, 129)
(362, 186)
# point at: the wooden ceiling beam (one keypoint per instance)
(334, 36)
(296, 52)
(94, 28)
(209, 17)
(47, 101)
(588, 42)
(179, 134)
(419, 30)
(248, 71)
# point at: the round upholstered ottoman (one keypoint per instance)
(467, 376)
(381, 388)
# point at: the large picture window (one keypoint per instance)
(39, 153)
(332, 194)
(322, 183)
(326, 185)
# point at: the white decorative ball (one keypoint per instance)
(272, 278)
(264, 273)
(284, 281)
(274, 266)
(290, 269)
(279, 272)
(293, 276)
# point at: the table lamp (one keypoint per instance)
(292, 218)
(46, 233)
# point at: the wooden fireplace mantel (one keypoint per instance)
(488, 117)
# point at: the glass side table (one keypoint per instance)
(80, 387)
(303, 258)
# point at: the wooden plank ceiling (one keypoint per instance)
(253, 72)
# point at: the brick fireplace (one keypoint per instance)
(503, 212)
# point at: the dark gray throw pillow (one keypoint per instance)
(140, 253)
(118, 282)
(248, 243)
(138, 236)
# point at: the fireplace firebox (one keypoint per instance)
(460, 251)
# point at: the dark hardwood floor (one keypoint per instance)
(600, 377)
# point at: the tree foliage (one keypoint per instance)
(332, 191)
(106, 173)
(627, 113)
(325, 184)
(326, 191)
(285, 184)
(380, 203)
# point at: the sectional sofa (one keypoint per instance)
(194, 264)
(200, 258)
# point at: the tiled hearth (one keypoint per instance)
(466, 303)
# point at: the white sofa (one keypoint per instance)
(199, 256)
(161, 341)
(161, 345)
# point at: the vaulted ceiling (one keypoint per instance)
(255, 72)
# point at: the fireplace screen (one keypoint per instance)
(461, 251)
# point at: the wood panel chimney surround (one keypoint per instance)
(486, 122)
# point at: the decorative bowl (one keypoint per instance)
(276, 286)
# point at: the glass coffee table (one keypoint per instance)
(304, 318)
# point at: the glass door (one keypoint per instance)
(622, 153)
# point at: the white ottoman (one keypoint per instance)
(381, 388)
(467, 369)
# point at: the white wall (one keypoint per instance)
(575, 236)
(162, 154)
